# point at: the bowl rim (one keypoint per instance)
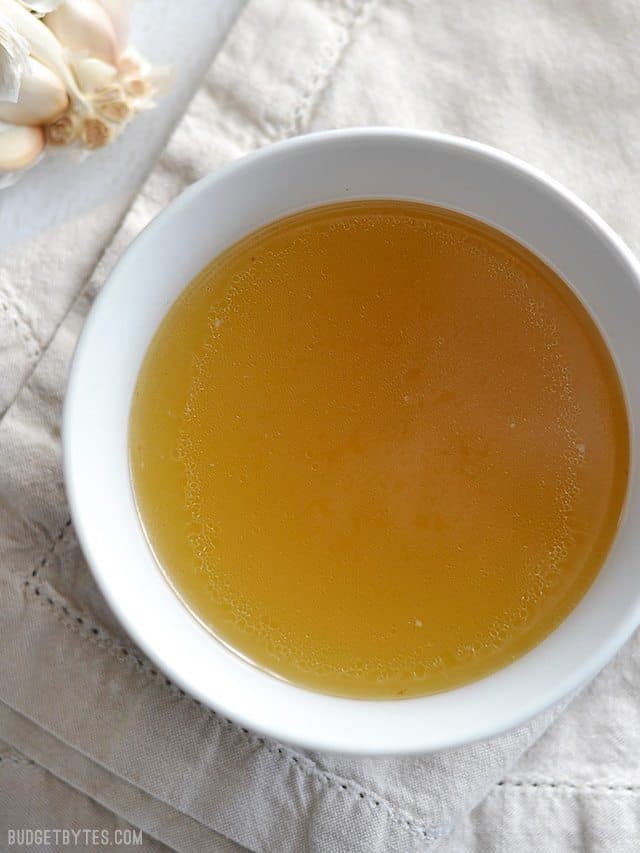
(428, 741)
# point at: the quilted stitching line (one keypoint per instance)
(50, 551)
(347, 18)
(603, 788)
(304, 111)
(23, 328)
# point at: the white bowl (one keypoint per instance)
(214, 213)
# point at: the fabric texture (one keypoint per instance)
(557, 84)
(31, 798)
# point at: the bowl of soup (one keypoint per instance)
(349, 441)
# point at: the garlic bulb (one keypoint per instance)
(14, 56)
(67, 77)
(85, 27)
(41, 100)
(19, 146)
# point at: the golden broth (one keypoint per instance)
(379, 448)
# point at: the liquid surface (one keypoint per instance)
(380, 449)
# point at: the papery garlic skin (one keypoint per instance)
(41, 7)
(14, 56)
(42, 97)
(85, 27)
(43, 45)
(19, 146)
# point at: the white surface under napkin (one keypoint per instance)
(557, 84)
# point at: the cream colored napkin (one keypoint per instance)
(555, 83)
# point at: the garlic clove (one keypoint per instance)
(94, 132)
(116, 111)
(42, 97)
(119, 12)
(63, 130)
(130, 63)
(113, 92)
(93, 73)
(84, 26)
(43, 45)
(112, 104)
(19, 146)
(137, 87)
